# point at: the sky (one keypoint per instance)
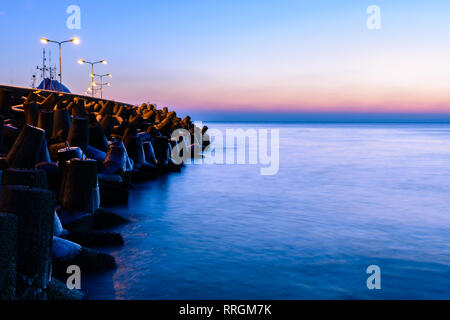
(243, 56)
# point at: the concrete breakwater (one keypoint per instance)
(62, 158)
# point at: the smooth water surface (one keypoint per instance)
(346, 196)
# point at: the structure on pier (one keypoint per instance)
(50, 82)
(54, 85)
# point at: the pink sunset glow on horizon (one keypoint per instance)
(312, 100)
(265, 56)
(368, 79)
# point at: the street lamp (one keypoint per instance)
(89, 90)
(59, 43)
(101, 81)
(81, 61)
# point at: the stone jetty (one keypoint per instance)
(64, 157)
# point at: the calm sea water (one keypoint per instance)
(346, 197)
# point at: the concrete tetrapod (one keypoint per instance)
(35, 210)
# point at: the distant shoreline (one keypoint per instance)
(318, 117)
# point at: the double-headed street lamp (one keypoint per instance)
(59, 43)
(101, 81)
(81, 61)
(89, 90)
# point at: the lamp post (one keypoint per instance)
(59, 43)
(81, 61)
(89, 90)
(101, 81)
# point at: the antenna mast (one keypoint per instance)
(51, 69)
(43, 69)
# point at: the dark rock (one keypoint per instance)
(107, 219)
(35, 210)
(8, 254)
(89, 261)
(95, 238)
(76, 221)
(57, 290)
(10, 134)
(81, 189)
(53, 175)
(27, 289)
(33, 178)
(113, 193)
(26, 149)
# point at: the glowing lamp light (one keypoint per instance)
(76, 40)
(81, 61)
(104, 62)
(43, 40)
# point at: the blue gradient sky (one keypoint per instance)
(247, 55)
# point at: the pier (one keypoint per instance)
(63, 157)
